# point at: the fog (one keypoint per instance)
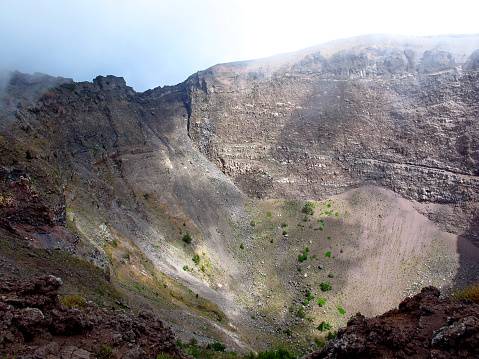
(152, 43)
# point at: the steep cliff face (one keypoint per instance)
(394, 112)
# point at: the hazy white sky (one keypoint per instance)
(152, 43)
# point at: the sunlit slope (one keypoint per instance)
(362, 251)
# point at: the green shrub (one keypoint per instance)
(341, 310)
(326, 286)
(278, 354)
(187, 238)
(470, 292)
(74, 300)
(324, 327)
(309, 296)
(308, 208)
(302, 258)
(331, 335)
(106, 352)
(268, 214)
(196, 259)
(216, 346)
(284, 225)
(328, 254)
(331, 275)
(321, 301)
(253, 223)
(301, 313)
(285, 233)
(241, 246)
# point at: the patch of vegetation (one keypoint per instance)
(321, 301)
(301, 313)
(28, 155)
(187, 238)
(308, 208)
(287, 332)
(285, 233)
(331, 275)
(268, 214)
(277, 354)
(470, 292)
(341, 310)
(328, 254)
(331, 335)
(241, 246)
(302, 257)
(326, 286)
(196, 259)
(74, 300)
(164, 356)
(253, 223)
(324, 327)
(216, 346)
(106, 352)
(309, 296)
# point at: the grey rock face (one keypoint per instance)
(401, 114)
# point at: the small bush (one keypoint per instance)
(278, 354)
(28, 155)
(321, 301)
(268, 214)
(106, 352)
(341, 310)
(285, 233)
(196, 259)
(284, 225)
(308, 208)
(324, 327)
(326, 286)
(302, 258)
(216, 346)
(74, 300)
(187, 238)
(331, 275)
(328, 254)
(301, 313)
(331, 335)
(253, 223)
(241, 246)
(470, 292)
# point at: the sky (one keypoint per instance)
(155, 43)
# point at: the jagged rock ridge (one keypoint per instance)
(33, 323)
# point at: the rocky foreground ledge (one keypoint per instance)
(424, 326)
(34, 324)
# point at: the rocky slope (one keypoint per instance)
(34, 324)
(190, 198)
(424, 326)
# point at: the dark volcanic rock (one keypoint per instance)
(424, 326)
(34, 322)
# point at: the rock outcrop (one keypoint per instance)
(424, 326)
(34, 324)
